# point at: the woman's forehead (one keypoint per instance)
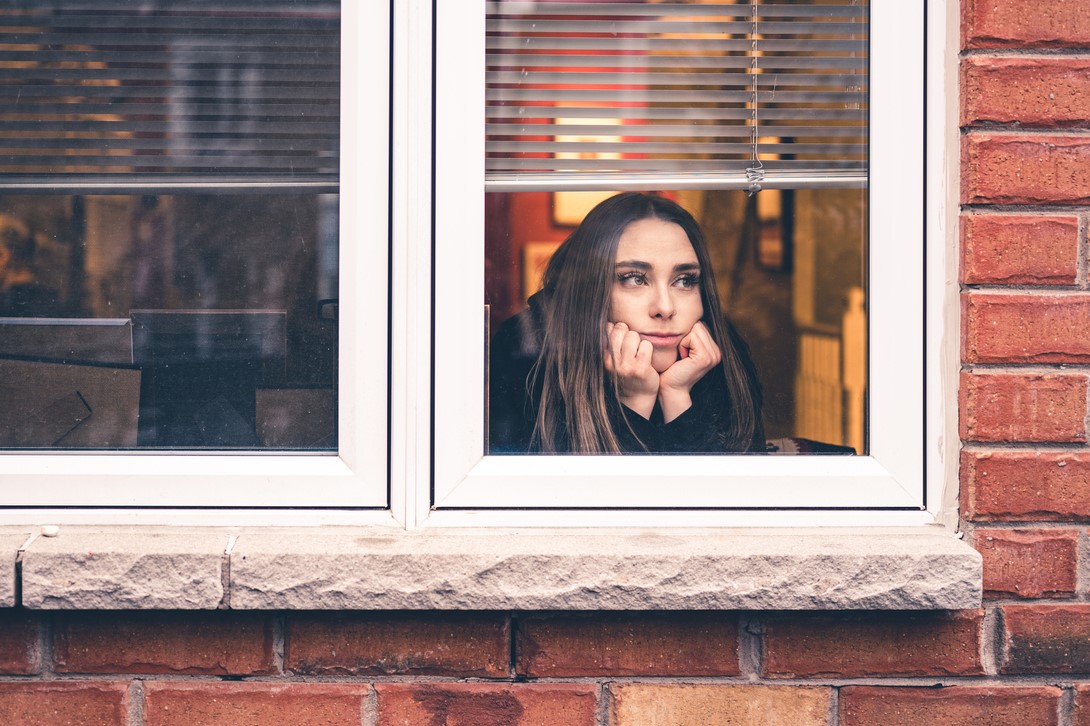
(655, 241)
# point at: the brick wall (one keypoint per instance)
(1023, 660)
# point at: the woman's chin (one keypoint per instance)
(663, 359)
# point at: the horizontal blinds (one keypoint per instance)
(615, 95)
(160, 94)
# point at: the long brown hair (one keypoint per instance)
(577, 393)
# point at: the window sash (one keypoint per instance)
(891, 477)
(357, 477)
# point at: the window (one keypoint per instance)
(412, 341)
(173, 254)
(890, 475)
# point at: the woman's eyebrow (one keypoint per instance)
(638, 264)
(687, 267)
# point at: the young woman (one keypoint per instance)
(625, 348)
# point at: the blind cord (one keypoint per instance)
(755, 172)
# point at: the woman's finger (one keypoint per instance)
(630, 345)
(616, 337)
(701, 343)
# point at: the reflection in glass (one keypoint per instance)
(169, 173)
(192, 321)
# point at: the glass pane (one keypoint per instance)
(787, 268)
(196, 321)
(168, 272)
(718, 308)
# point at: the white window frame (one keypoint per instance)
(356, 477)
(385, 470)
(888, 486)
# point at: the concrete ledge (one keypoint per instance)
(131, 568)
(359, 568)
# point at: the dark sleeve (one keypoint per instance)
(510, 410)
(702, 429)
(640, 435)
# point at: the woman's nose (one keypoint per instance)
(662, 306)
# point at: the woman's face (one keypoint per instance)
(656, 286)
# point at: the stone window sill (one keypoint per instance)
(361, 568)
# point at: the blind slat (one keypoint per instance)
(681, 165)
(176, 162)
(625, 44)
(740, 26)
(545, 181)
(581, 78)
(180, 41)
(189, 145)
(637, 130)
(676, 9)
(191, 57)
(634, 148)
(551, 60)
(131, 19)
(181, 94)
(211, 75)
(654, 96)
(185, 111)
(638, 115)
(308, 128)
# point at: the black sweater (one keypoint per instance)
(513, 403)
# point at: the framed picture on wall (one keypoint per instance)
(535, 255)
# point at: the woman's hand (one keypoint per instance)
(629, 358)
(699, 354)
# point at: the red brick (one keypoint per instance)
(662, 644)
(254, 704)
(217, 643)
(676, 704)
(456, 644)
(1028, 563)
(469, 704)
(1017, 23)
(954, 706)
(1013, 407)
(1012, 328)
(20, 643)
(873, 644)
(64, 703)
(1025, 169)
(1025, 485)
(1080, 715)
(1043, 92)
(1046, 639)
(1019, 250)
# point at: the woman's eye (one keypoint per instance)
(631, 279)
(688, 282)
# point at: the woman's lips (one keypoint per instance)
(662, 340)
